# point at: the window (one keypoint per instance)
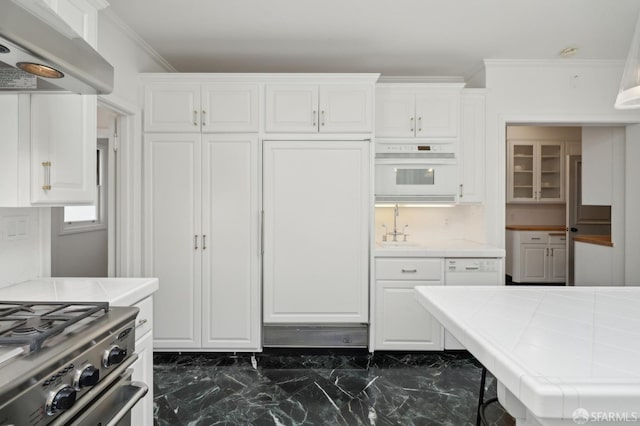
(87, 218)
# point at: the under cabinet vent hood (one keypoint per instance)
(63, 62)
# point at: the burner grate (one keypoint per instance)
(31, 323)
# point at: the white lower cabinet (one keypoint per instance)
(142, 413)
(316, 231)
(202, 210)
(536, 256)
(401, 323)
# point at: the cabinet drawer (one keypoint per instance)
(145, 316)
(534, 237)
(557, 239)
(408, 269)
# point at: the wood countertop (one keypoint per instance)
(552, 228)
(601, 240)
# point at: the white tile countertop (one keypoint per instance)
(556, 352)
(444, 248)
(116, 291)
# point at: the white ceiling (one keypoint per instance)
(393, 37)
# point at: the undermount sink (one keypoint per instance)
(398, 244)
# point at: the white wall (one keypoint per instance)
(429, 224)
(552, 92)
(632, 202)
(21, 244)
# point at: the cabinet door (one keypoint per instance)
(534, 262)
(63, 149)
(174, 246)
(228, 107)
(346, 108)
(437, 114)
(551, 176)
(557, 263)
(401, 322)
(142, 413)
(522, 172)
(292, 108)
(471, 156)
(172, 107)
(316, 205)
(230, 218)
(395, 113)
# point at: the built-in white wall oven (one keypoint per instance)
(416, 172)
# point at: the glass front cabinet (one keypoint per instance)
(535, 172)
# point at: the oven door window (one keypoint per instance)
(415, 176)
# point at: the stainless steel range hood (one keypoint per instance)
(25, 40)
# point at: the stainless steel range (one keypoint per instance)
(67, 363)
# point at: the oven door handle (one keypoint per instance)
(138, 390)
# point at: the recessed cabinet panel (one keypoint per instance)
(174, 212)
(401, 322)
(316, 203)
(437, 115)
(471, 158)
(346, 108)
(172, 107)
(395, 114)
(229, 107)
(292, 108)
(535, 262)
(231, 309)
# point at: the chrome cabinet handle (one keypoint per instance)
(262, 233)
(409, 271)
(551, 251)
(47, 175)
(419, 124)
(411, 125)
(535, 238)
(315, 113)
(141, 322)
(322, 122)
(547, 251)
(195, 117)
(203, 117)
(195, 242)
(204, 242)
(461, 190)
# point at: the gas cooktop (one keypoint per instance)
(32, 323)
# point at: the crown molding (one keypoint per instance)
(436, 80)
(135, 37)
(553, 63)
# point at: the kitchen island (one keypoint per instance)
(562, 356)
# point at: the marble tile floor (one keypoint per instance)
(291, 388)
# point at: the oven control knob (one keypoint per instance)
(88, 376)
(113, 356)
(61, 400)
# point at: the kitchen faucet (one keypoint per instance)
(395, 232)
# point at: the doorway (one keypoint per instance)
(83, 237)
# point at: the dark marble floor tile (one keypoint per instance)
(320, 388)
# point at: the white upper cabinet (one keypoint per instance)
(48, 150)
(325, 108)
(535, 172)
(194, 108)
(416, 111)
(63, 149)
